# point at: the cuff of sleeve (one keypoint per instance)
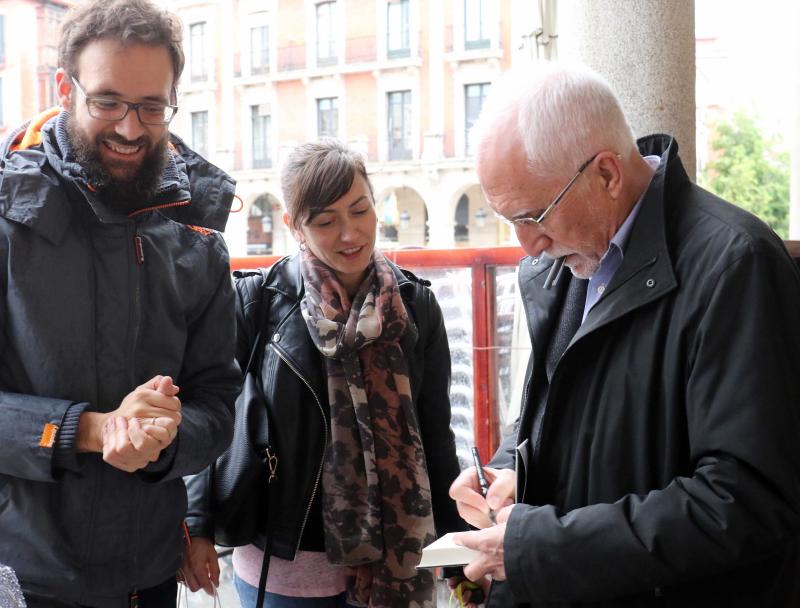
(155, 471)
(200, 525)
(523, 551)
(64, 455)
(510, 545)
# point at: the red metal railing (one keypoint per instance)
(482, 262)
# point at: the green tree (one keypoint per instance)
(750, 170)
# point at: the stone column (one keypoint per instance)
(645, 49)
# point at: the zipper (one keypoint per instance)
(98, 477)
(158, 207)
(138, 250)
(325, 431)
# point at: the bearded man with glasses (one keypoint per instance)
(117, 345)
(657, 455)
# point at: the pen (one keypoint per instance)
(555, 273)
(476, 457)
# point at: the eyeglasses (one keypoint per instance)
(530, 221)
(111, 109)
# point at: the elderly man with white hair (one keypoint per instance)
(658, 448)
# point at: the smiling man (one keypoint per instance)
(124, 156)
(117, 345)
(657, 448)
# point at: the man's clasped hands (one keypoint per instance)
(134, 435)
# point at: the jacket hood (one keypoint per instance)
(204, 191)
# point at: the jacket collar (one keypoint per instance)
(32, 192)
(646, 272)
(288, 280)
(541, 311)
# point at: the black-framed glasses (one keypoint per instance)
(111, 109)
(530, 221)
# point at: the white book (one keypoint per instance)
(444, 552)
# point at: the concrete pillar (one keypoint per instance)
(645, 49)
(440, 217)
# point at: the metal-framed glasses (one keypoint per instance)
(111, 109)
(530, 221)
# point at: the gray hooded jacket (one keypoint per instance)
(92, 304)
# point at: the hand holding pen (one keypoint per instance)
(473, 496)
(476, 458)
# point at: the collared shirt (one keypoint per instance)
(612, 258)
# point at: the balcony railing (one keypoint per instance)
(360, 49)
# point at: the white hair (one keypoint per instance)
(565, 114)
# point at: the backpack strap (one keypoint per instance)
(256, 357)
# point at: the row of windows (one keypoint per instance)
(327, 32)
(399, 124)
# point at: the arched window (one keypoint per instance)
(259, 226)
(461, 229)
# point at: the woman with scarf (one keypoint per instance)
(356, 375)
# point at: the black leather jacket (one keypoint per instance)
(294, 380)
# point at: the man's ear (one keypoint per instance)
(64, 88)
(609, 165)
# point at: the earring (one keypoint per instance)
(302, 246)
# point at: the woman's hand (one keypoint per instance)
(200, 566)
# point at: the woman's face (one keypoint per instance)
(343, 234)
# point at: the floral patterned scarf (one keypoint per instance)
(376, 496)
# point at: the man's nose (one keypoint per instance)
(532, 240)
(130, 127)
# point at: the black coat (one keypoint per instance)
(297, 396)
(668, 472)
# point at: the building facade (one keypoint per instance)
(401, 81)
(28, 58)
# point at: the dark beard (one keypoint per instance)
(124, 195)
